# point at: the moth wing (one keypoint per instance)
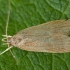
(47, 37)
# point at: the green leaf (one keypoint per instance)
(24, 14)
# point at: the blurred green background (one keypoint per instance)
(24, 14)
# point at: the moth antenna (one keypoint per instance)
(7, 22)
(8, 18)
(6, 50)
(6, 36)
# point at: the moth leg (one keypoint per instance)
(6, 36)
(5, 40)
(12, 53)
(6, 50)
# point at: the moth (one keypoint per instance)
(53, 36)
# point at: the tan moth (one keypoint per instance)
(53, 36)
(48, 37)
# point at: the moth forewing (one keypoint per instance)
(48, 37)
